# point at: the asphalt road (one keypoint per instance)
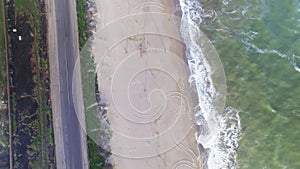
(67, 54)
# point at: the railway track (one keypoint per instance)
(8, 82)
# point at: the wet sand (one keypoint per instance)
(143, 77)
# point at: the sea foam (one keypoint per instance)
(217, 130)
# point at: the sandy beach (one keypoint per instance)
(143, 77)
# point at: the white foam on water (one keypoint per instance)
(217, 132)
(249, 36)
(293, 58)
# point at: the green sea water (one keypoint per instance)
(258, 42)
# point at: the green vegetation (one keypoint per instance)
(82, 24)
(90, 90)
(96, 160)
(88, 70)
(44, 142)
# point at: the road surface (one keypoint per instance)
(70, 140)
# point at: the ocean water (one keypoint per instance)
(258, 42)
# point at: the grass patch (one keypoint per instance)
(82, 24)
(28, 6)
(96, 161)
(88, 69)
(90, 89)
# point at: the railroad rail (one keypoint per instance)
(8, 82)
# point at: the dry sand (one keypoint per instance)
(143, 77)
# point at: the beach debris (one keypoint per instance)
(103, 106)
(90, 15)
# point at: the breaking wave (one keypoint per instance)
(217, 130)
